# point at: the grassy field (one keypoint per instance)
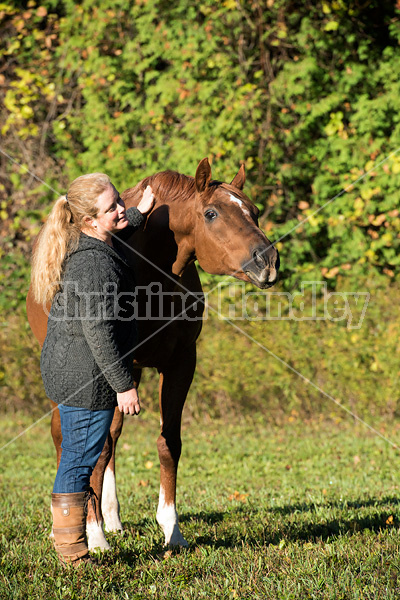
(304, 510)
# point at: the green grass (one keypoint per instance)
(304, 510)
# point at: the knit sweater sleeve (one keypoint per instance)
(98, 320)
(135, 219)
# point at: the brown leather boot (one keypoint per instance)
(69, 527)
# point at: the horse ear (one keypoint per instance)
(203, 175)
(239, 179)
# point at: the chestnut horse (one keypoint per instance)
(193, 218)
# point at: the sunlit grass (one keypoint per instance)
(300, 511)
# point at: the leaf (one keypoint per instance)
(331, 26)
(303, 205)
(238, 496)
(390, 520)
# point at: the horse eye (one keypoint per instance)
(210, 215)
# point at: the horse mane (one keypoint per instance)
(169, 185)
(172, 186)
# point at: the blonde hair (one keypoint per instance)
(60, 234)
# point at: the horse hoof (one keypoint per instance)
(96, 538)
(113, 525)
(100, 546)
(114, 529)
(177, 540)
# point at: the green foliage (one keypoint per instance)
(339, 126)
(286, 87)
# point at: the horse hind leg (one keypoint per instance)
(57, 437)
(104, 482)
(175, 382)
(109, 500)
(94, 520)
(109, 503)
(104, 513)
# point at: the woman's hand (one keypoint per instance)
(147, 201)
(128, 402)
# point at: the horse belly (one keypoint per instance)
(160, 340)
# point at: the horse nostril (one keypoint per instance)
(259, 259)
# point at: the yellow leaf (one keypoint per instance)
(313, 221)
(358, 204)
(389, 520)
(396, 168)
(367, 194)
(238, 496)
(149, 464)
(332, 273)
(369, 165)
(387, 239)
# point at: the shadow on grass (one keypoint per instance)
(312, 506)
(245, 524)
(316, 528)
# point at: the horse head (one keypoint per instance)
(228, 240)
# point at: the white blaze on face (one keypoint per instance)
(167, 518)
(109, 502)
(233, 198)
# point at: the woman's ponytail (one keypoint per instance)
(50, 249)
(60, 234)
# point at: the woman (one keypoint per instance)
(86, 362)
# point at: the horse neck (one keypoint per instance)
(170, 225)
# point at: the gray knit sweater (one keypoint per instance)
(88, 351)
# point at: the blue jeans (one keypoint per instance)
(84, 433)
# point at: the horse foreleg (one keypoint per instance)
(175, 380)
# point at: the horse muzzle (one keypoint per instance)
(262, 269)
